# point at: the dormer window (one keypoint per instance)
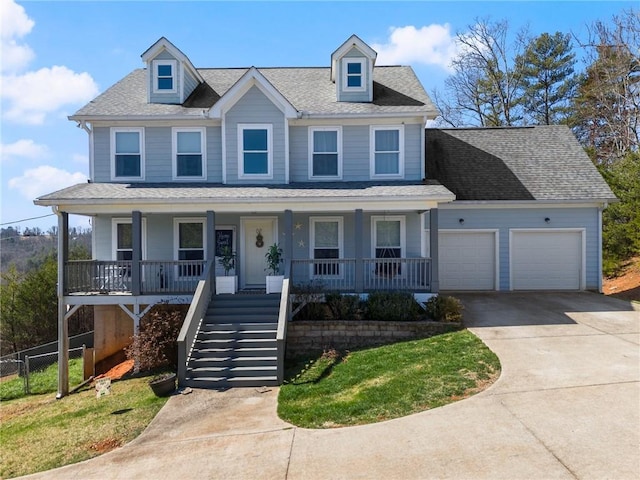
(353, 74)
(164, 76)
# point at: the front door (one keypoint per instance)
(258, 234)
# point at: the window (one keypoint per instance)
(387, 152)
(353, 74)
(189, 240)
(326, 244)
(189, 153)
(325, 152)
(388, 242)
(255, 153)
(165, 76)
(124, 241)
(127, 154)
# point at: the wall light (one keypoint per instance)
(547, 220)
(461, 221)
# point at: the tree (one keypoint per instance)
(548, 78)
(484, 88)
(11, 321)
(605, 114)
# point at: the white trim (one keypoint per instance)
(310, 135)
(286, 151)
(372, 151)
(223, 138)
(600, 250)
(176, 239)
(505, 204)
(164, 44)
(345, 75)
(155, 77)
(352, 42)
(114, 236)
(255, 126)
(174, 152)
(112, 133)
(423, 150)
(92, 165)
(389, 218)
(312, 240)
(583, 253)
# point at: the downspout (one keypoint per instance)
(83, 125)
(600, 210)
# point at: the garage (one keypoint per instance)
(467, 260)
(547, 259)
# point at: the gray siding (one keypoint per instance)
(157, 149)
(255, 107)
(173, 98)
(190, 83)
(509, 218)
(354, 96)
(101, 154)
(413, 152)
(214, 154)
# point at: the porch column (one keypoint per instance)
(63, 324)
(136, 255)
(288, 244)
(433, 240)
(211, 243)
(359, 248)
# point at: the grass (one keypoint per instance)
(40, 433)
(378, 384)
(45, 381)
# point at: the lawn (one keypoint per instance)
(45, 381)
(377, 384)
(39, 432)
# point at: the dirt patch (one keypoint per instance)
(119, 371)
(625, 286)
(106, 445)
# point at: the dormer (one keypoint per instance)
(352, 71)
(171, 77)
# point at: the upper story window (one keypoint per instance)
(127, 157)
(255, 151)
(325, 153)
(387, 151)
(353, 74)
(164, 72)
(189, 158)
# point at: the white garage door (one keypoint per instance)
(467, 260)
(549, 260)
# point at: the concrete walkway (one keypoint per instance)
(567, 405)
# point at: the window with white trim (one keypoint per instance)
(127, 153)
(325, 153)
(353, 74)
(387, 151)
(389, 242)
(327, 240)
(122, 238)
(164, 73)
(255, 151)
(189, 239)
(189, 158)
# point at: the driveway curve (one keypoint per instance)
(567, 405)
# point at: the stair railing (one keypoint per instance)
(192, 322)
(283, 318)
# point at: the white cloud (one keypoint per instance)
(33, 95)
(14, 24)
(44, 179)
(428, 45)
(24, 148)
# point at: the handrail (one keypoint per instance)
(193, 321)
(281, 335)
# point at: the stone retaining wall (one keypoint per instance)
(311, 337)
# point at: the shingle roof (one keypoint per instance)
(515, 163)
(309, 90)
(86, 193)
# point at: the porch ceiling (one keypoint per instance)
(105, 198)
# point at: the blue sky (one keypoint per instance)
(56, 56)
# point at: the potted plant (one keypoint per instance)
(163, 385)
(274, 259)
(228, 283)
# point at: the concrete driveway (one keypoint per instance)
(567, 405)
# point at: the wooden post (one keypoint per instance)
(211, 243)
(433, 240)
(63, 324)
(288, 244)
(136, 256)
(359, 247)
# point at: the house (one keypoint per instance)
(332, 164)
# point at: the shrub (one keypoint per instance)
(444, 309)
(156, 344)
(392, 307)
(343, 307)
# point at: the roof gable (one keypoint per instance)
(163, 44)
(352, 42)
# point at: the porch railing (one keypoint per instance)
(346, 275)
(115, 276)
